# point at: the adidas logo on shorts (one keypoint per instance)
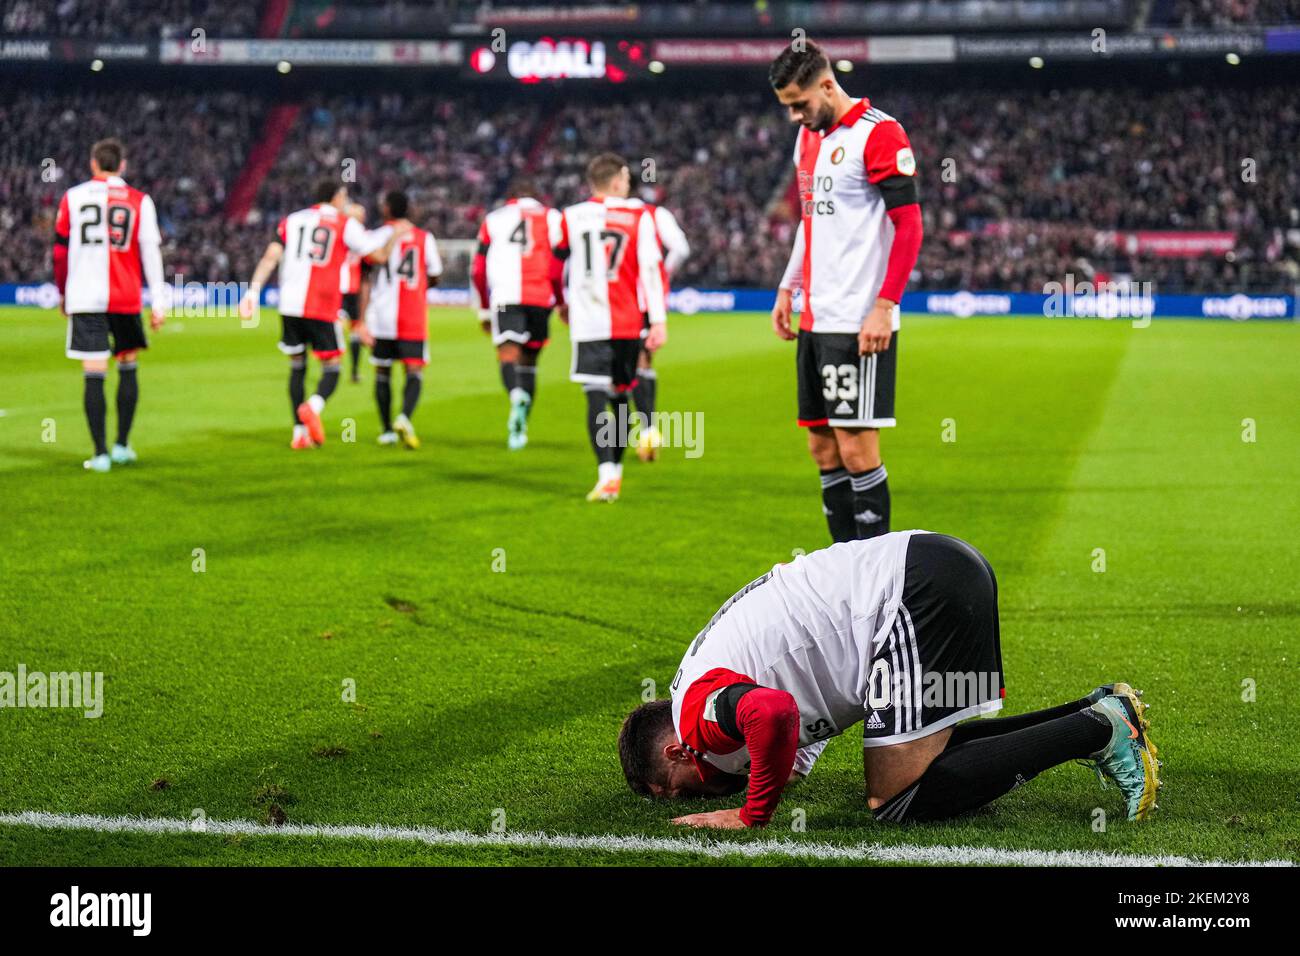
(843, 408)
(874, 722)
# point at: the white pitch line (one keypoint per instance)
(715, 849)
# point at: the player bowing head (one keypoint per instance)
(898, 633)
(805, 85)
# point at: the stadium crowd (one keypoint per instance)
(1018, 187)
(129, 19)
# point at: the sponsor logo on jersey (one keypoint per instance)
(905, 162)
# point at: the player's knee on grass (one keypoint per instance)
(890, 770)
(509, 352)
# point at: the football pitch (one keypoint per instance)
(438, 647)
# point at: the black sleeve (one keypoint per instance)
(482, 248)
(724, 708)
(899, 191)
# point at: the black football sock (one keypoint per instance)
(644, 394)
(354, 353)
(598, 429)
(128, 394)
(96, 409)
(979, 771)
(384, 398)
(411, 391)
(621, 411)
(995, 726)
(871, 501)
(509, 376)
(329, 380)
(837, 504)
(297, 384)
(526, 376)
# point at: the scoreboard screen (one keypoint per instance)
(558, 58)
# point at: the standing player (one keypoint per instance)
(613, 255)
(676, 249)
(899, 633)
(350, 286)
(105, 235)
(853, 254)
(514, 282)
(395, 300)
(310, 246)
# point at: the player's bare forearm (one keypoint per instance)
(781, 314)
(266, 265)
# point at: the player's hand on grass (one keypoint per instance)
(781, 314)
(714, 820)
(877, 328)
(157, 316)
(657, 337)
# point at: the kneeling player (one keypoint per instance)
(899, 631)
(395, 295)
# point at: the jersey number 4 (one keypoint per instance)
(841, 381)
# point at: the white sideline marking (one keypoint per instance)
(861, 853)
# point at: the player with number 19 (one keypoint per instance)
(310, 246)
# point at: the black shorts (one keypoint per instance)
(942, 660)
(410, 351)
(352, 306)
(89, 334)
(324, 338)
(839, 387)
(610, 362)
(526, 325)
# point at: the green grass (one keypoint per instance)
(479, 690)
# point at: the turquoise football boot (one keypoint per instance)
(1130, 757)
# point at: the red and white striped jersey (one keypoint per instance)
(516, 241)
(398, 305)
(111, 231)
(350, 274)
(672, 244)
(842, 247)
(613, 251)
(316, 242)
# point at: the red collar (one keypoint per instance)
(852, 116)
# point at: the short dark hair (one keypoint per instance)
(639, 743)
(522, 186)
(603, 168)
(798, 66)
(326, 189)
(108, 154)
(397, 203)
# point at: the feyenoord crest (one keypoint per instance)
(837, 157)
